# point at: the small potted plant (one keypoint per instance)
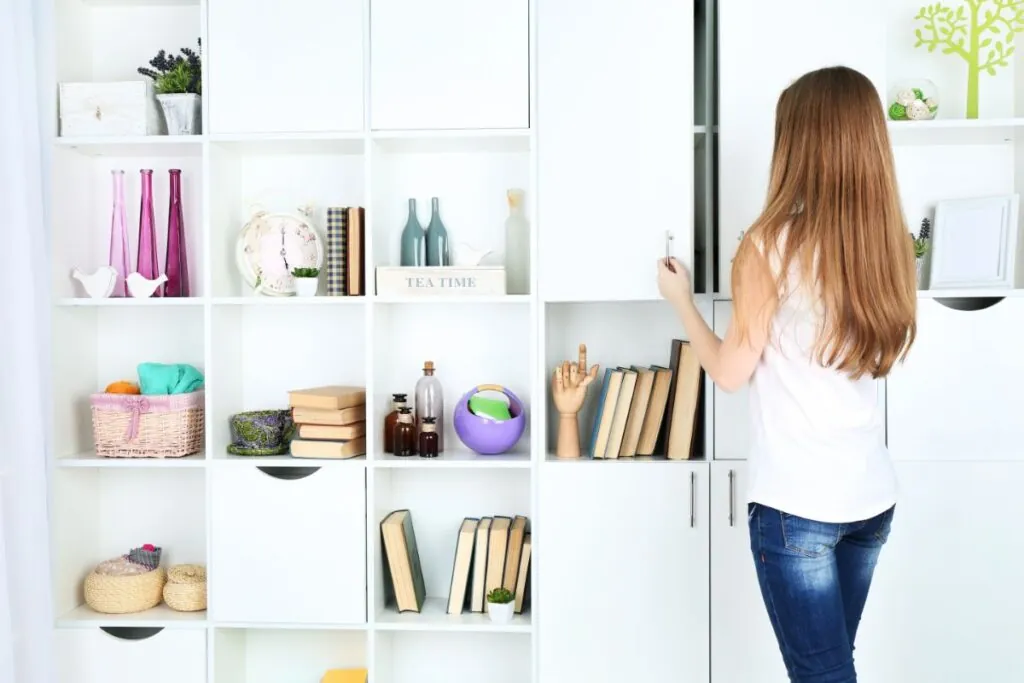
(178, 80)
(306, 281)
(500, 605)
(921, 246)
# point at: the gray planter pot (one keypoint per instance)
(182, 112)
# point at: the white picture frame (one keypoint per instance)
(974, 243)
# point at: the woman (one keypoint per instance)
(824, 302)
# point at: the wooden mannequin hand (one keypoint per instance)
(569, 384)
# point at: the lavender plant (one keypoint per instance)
(177, 73)
(924, 235)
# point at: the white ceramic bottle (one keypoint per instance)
(517, 244)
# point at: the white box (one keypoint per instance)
(441, 281)
(122, 108)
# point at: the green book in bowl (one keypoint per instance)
(489, 407)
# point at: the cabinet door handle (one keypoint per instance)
(693, 496)
(732, 495)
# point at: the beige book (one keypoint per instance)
(333, 397)
(332, 432)
(301, 448)
(314, 416)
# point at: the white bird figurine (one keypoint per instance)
(98, 285)
(142, 288)
(466, 255)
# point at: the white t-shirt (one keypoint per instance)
(818, 437)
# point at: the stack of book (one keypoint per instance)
(654, 410)
(490, 552)
(330, 422)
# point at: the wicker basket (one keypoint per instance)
(136, 426)
(110, 594)
(185, 590)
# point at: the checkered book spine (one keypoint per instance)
(337, 244)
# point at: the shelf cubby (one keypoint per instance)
(284, 655)
(83, 189)
(609, 330)
(438, 502)
(277, 175)
(277, 349)
(402, 656)
(110, 344)
(102, 513)
(470, 344)
(469, 173)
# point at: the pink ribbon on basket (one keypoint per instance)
(137, 405)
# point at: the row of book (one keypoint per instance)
(345, 251)
(490, 552)
(330, 422)
(650, 410)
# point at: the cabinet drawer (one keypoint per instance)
(122, 655)
(953, 398)
(290, 544)
(101, 109)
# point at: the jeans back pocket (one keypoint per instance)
(808, 537)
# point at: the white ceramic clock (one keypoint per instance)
(271, 245)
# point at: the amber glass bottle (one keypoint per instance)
(405, 433)
(397, 401)
(428, 438)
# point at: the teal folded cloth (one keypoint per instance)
(173, 378)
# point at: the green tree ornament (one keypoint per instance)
(980, 32)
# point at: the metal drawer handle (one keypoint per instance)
(693, 496)
(99, 114)
(732, 495)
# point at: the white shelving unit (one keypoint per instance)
(371, 102)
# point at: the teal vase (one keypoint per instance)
(413, 249)
(437, 238)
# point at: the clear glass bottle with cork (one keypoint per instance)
(405, 433)
(428, 438)
(397, 401)
(430, 401)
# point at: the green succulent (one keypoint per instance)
(306, 272)
(501, 596)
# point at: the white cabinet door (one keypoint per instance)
(732, 411)
(623, 573)
(290, 544)
(743, 645)
(762, 48)
(946, 601)
(293, 66)
(441, 64)
(615, 145)
(119, 655)
(956, 396)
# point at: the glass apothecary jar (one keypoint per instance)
(914, 99)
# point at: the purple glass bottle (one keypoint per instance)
(119, 234)
(176, 264)
(146, 262)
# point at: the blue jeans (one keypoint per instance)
(814, 579)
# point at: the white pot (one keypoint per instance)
(501, 613)
(920, 269)
(182, 112)
(306, 286)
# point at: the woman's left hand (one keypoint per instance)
(673, 280)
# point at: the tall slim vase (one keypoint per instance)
(147, 263)
(176, 263)
(119, 259)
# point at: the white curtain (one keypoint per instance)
(26, 611)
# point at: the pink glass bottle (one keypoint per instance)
(146, 262)
(119, 234)
(176, 263)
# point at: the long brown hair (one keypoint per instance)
(833, 208)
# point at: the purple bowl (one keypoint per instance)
(485, 435)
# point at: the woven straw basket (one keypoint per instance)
(124, 594)
(137, 426)
(185, 590)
